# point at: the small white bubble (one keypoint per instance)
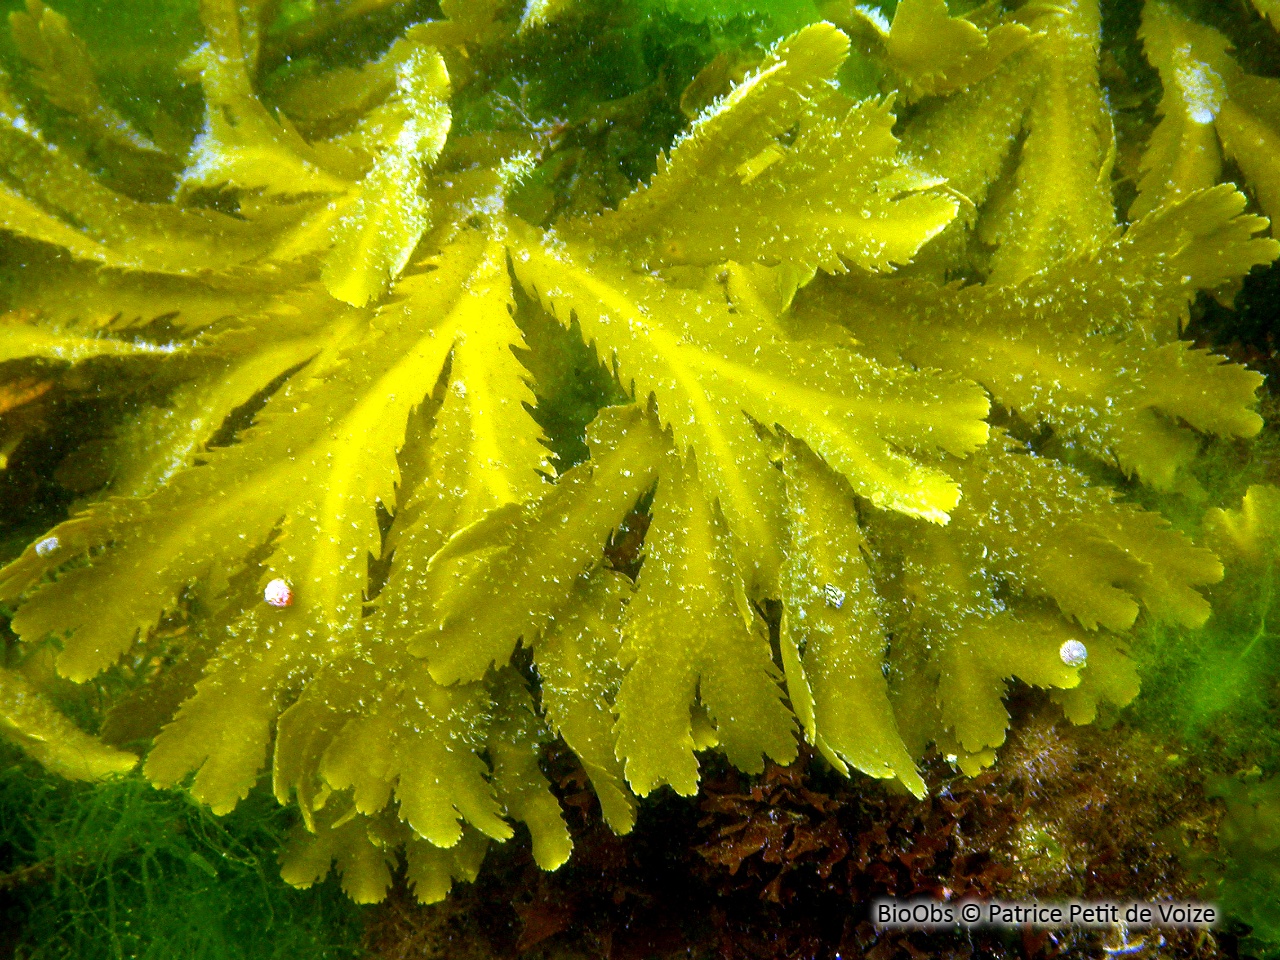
(1073, 653)
(47, 546)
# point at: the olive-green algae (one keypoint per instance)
(1205, 695)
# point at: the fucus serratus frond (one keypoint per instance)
(841, 323)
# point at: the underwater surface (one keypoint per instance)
(701, 478)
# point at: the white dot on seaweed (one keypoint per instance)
(47, 546)
(278, 593)
(1073, 653)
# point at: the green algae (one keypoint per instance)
(1245, 879)
(120, 870)
(1213, 693)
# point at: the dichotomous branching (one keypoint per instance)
(840, 329)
